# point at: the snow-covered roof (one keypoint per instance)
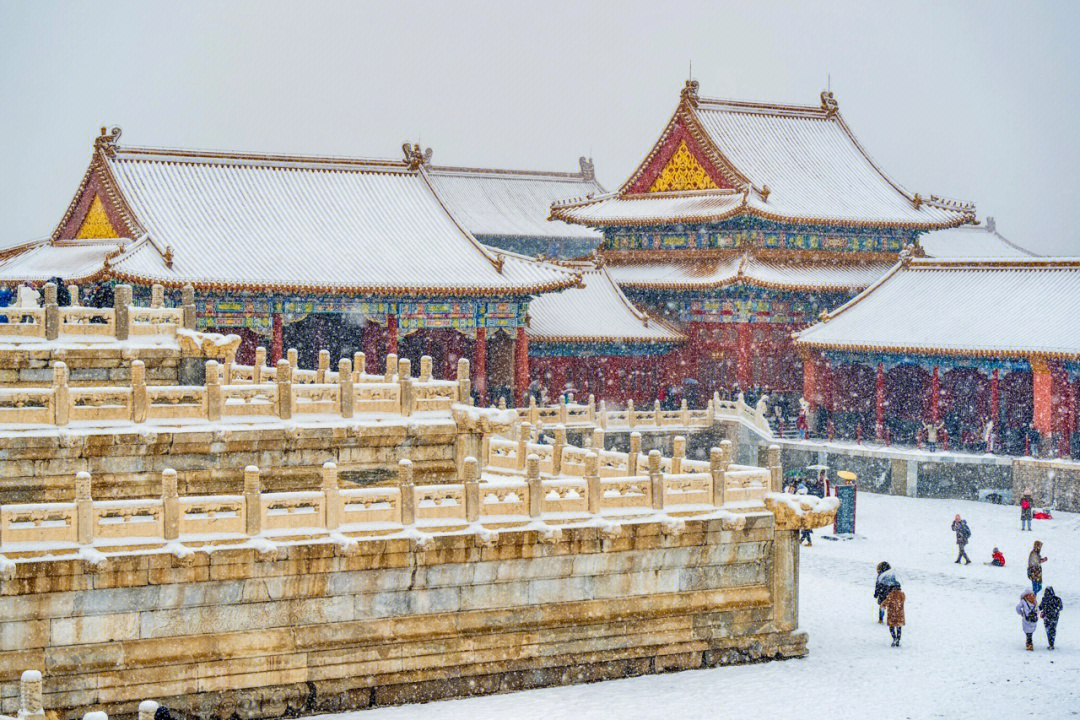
(292, 223)
(746, 268)
(511, 204)
(968, 241)
(72, 261)
(790, 163)
(597, 311)
(961, 306)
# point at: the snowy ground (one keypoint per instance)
(962, 655)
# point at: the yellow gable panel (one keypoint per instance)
(96, 223)
(683, 172)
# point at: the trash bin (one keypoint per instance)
(846, 491)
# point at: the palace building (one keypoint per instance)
(964, 342)
(746, 221)
(315, 252)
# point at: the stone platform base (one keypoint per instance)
(358, 693)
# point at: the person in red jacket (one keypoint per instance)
(997, 558)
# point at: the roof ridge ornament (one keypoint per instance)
(828, 103)
(690, 92)
(588, 172)
(106, 141)
(415, 158)
(991, 224)
(764, 192)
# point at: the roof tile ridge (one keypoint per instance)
(551, 175)
(764, 108)
(826, 316)
(641, 315)
(165, 154)
(495, 258)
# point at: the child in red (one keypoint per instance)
(998, 559)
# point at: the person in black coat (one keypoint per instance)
(881, 589)
(1049, 610)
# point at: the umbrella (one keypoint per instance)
(818, 466)
(847, 475)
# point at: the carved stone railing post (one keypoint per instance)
(332, 501)
(603, 415)
(725, 454)
(776, 470)
(138, 391)
(84, 510)
(148, 709)
(425, 368)
(598, 439)
(122, 311)
(471, 478)
(52, 312)
(391, 367)
(678, 452)
(259, 366)
(536, 487)
(359, 362)
(293, 357)
(592, 408)
(31, 706)
(215, 394)
(73, 293)
(408, 492)
(716, 474)
(684, 412)
(635, 451)
(562, 409)
(284, 389)
(157, 295)
(464, 382)
(557, 449)
(170, 504)
(532, 415)
(658, 414)
(524, 433)
(592, 482)
(346, 389)
(61, 394)
(710, 411)
(406, 381)
(630, 412)
(324, 366)
(656, 480)
(252, 501)
(187, 304)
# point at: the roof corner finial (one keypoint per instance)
(588, 172)
(765, 193)
(907, 253)
(168, 256)
(106, 141)
(991, 224)
(689, 92)
(414, 156)
(828, 103)
(917, 201)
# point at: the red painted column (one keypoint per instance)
(277, 344)
(995, 405)
(1042, 387)
(744, 371)
(935, 396)
(810, 370)
(451, 355)
(479, 366)
(521, 365)
(879, 401)
(391, 334)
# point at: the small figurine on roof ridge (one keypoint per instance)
(828, 103)
(106, 142)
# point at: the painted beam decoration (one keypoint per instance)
(778, 238)
(740, 304)
(255, 312)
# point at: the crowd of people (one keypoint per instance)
(890, 597)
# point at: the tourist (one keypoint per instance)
(988, 436)
(997, 558)
(805, 535)
(1034, 569)
(1025, 511)
(801, 424)
(882, 588)
(932, 430)
(1050, 609)
(6, 296)
(1029, 616)
(963, 534)
(894, 607)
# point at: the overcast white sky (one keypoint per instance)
(973, 100)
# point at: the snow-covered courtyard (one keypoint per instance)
(962, 654)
